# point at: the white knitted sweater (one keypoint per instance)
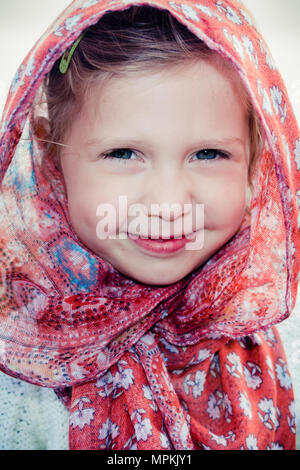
(31, 417)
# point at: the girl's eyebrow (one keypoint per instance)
(114, 141)
(227, 141)
(220, 141)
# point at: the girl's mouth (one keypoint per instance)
(160, 246)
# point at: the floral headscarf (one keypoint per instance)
(194, 365)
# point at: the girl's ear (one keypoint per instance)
(42, 128)
(42, 131)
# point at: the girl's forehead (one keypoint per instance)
(195, 79)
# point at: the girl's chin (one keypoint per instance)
(154, 277)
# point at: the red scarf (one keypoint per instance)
(194, 365)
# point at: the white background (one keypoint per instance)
(22, 22)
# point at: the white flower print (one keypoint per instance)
(276, 95)
(297, 153)
(143, 427)
(251, 442)
(30, 66)
(256, 340)
(148, 339)
(251, 375)
(71, 22)
(247, 17)
(82, 416)
(184, 434)
(236, 42)
(177, 371)
(149, 395)
(220, 440)
(189, 12)
(238, 46)
(236, 367)
(213, 409)
(292, 420)
(270, 415)
(217, 402)
(170, 347)
(250, 50)
(215, 365)
(124, 378)
(207, 11)
(280, 108)
(197, 384)
(164, 441)
(130, 444)
(77, 371)
(267, 103)
(203, 354)
(288, 153)
(267, 106)
(269, 59)
(18, 79)
(233, 16)
(105, 384)
(223, 440)
(108, 431)
(205, 447)
(245, 404)
(275, 446)
(283, 375)
(204, 9)
(270, 337)
(230, 13)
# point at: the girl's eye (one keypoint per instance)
(120, 155)
(211, 154)
(123, 156)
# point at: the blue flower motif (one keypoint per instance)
(82, 271)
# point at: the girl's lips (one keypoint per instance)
(160, 246)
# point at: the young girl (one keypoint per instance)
(158, 335)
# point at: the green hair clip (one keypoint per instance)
(65, 62)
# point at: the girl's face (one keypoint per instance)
(177, 136)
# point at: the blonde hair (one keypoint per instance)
(134, 40)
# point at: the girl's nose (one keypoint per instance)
(169, 198)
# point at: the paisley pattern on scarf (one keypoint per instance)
(194, 365)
